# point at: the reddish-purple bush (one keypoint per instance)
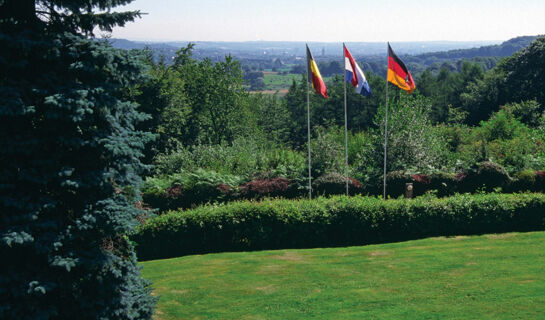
(355, 183)
(460, 176)
(224, 189)
(421, 178)
(174, 191)
(265, 188)
(335, 183)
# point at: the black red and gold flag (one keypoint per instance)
(314, 76)
(398, 73)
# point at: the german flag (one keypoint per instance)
(398, 73)
(314, 76)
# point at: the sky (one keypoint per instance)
(333, 20)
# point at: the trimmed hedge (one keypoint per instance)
(336, 221)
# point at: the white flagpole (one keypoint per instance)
(385, 131)
(345, 129)
(308, 132)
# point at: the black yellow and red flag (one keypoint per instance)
(314, 76)
(398, 73)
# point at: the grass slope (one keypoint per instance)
(478, 277)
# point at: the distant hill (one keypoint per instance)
(504, 49)
(417, 55)
(486, 56)
(287, 48)
(129, 45)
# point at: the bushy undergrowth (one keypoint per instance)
(336, 221)
(245, 157)
(190, 189)
(499, 154)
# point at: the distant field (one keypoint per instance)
(275, 81)
(281, 92)
(479, 277)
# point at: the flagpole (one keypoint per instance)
(308, 135)
(345, 133)
(385, 134)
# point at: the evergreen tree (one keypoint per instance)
(69, 166)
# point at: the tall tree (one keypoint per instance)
(515, 79)
(69, 166)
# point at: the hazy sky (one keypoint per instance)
(334, 20)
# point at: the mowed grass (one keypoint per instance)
(479, 277)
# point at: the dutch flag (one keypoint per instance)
(354, 75)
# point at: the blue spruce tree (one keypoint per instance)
(69, 164)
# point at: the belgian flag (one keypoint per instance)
(398, 73)
(314, 76)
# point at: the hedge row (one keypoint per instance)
(336, 221)
(203, 189)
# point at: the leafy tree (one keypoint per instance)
(195, 102)
(295, 101)
(446, 88)
(272, 117)
(216, 98)
(298, 69)
(257, 84)
(69, 168)
(525, 72)
(514, 79)
(326, 112)
(163, 97)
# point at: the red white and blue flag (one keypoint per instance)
(354, 75)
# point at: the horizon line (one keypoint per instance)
(307, 41)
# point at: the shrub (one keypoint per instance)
(506, 141)
(265, 188)
(540, 181)
(245, 157)
(488, 176)
(443, 183)
(412, 142)
(528, 180)
(336, 221)
(189, 189)
(528, 112)
(327, 151)
(335, 183)
(396, 182)
(282, 162)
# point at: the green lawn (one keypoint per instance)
(477, 277)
